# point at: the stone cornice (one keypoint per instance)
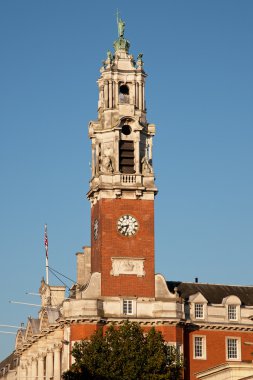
(217, 326)
(119, 320)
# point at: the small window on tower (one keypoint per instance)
(124, 94)
(126, 130)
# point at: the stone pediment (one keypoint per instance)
(197, 298)
(231, 300)
(19, 339)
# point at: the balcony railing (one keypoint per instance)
(128, 178)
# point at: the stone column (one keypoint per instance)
(150, 144)
(93, 158)
(57, 362)
(140, 96)
(40, 367)
(110, 94)
(97, 170)
(106, 99)
(22, 370)
(116, 94)
(29, 370)
(101, 96)
(49, 365)
(34, 368)
(143, 96)
(116, 153)
(137, 95)
(137, 156)
(133, 93)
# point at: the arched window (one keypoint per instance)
(124, 94)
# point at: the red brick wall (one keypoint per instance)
(171, 333)
(215, 349)
(84, 331)
(111, 243)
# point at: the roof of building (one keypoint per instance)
(10, 361)
(212, 292)
(35, 323)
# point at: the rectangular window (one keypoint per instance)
(199, 347)
(232, 349)
(232, 315)
(127, 307)
(199, 311)
(126, 157)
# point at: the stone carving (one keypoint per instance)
(139, 60)
(121, 27)
(107, 160)
(146, 166)
(133, 266)
(109, 56)
(107, 166)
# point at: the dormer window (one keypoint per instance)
(199, 311)
(232, 312)
(123, 94)
(232, 306)
(198, 306)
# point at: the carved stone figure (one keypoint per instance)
(128, 266)
(121, 27)
(109, 56)
(146, 166)
(139, 58)
(107, 166)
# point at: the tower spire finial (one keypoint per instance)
(121, 43)
(121, 25)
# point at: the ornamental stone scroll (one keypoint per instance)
(127, 266)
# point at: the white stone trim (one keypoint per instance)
(204, 353)
(238, 348)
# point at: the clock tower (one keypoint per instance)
(122, 187)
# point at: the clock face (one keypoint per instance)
(127, 225)
(95, 229)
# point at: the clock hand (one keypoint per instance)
(123, 228)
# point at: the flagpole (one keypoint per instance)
(46, 248)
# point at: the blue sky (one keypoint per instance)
(198, 55)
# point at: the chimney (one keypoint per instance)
(83, 266)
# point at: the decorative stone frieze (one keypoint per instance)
(131, 266)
